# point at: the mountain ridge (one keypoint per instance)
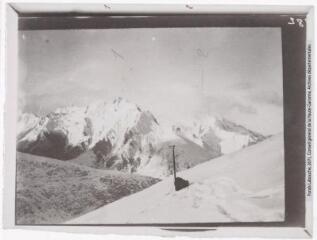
(121, 136)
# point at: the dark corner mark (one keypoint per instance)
(189, 6)
(107, 6)
(308, 233)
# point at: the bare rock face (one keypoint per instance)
(114, 131)
(55, 135)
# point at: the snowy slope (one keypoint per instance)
(244, 186)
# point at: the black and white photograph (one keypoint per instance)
(150, 125)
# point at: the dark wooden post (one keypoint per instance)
(179, 183)
(174, 163)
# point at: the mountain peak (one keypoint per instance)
(69, 131)
(208, 130)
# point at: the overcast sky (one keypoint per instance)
(177, 74)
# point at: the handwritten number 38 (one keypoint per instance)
(299, 21)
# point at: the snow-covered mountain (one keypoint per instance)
(26, 122)
(213, 130)
(244, 186)
(119, 135)
(103, 127)
(200, 141)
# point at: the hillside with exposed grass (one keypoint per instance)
(51, 191)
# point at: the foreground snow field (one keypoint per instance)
(244, 186)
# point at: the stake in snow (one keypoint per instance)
(179, 183)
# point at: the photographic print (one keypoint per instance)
(150, 126)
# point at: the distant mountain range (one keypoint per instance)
(119, 135)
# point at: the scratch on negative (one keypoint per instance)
(189, 6)
(106, 6)
(117, 54)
